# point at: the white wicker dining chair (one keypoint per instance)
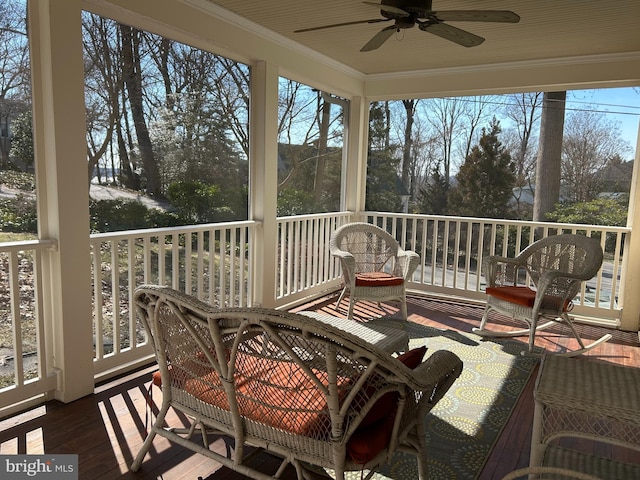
(374, 266)
(541, 281)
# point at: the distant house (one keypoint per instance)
(525, 195)
(616, 179)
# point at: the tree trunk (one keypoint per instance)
(325, 117)
(548, 163)
(409, 106)
(133, 81)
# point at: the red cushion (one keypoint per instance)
(387, 402)
(366, 443)
(374, 432)
(377, 279)
(525, 296)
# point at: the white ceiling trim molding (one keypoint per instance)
(242, 23)
(545, 63)
(585, 72)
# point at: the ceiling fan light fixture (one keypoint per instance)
(408, 13)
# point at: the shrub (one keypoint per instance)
(18, 214)
(117, 215)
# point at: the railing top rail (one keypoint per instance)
(19, 246)
(526, 223)
(315, 215)
(146, 232)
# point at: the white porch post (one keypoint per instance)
(62, 190)
(355, 177)
(263, 180)
(630, 298)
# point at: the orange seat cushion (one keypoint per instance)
(377, 279)
(273, 392)
(282, 395)
(520, 295)
(525, 296)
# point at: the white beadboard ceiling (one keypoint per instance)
(548, 30)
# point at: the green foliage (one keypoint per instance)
(197, 202)
(25, 182)
(485, 180)
(295, 202)
(117, 215)
(22, 140)
(602, 211)
(382, 185)
(18, 214)
(127, 214)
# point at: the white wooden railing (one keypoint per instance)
(305, 266)
(216, 262)
(452, 250)
(24, 360)
(212, 262)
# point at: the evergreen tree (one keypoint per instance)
(434, 196)
(382, 168)
(486, 179)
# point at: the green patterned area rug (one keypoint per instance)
(464, 426)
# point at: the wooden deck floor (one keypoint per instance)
(106, 429)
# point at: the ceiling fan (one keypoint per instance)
(409, 13)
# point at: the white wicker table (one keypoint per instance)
(387, 338)
(578, 398)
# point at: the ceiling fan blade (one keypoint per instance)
(502, 16)
(453, 34)
(388, 8)
(373, 20)
(379, 38)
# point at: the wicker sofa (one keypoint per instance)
(306, 392)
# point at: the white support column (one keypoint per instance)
(355, 171)
(630, 296)
(263, 179)
(55, 32)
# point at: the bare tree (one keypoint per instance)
(132, 74)
(590, 143)
(14, 71)
(523, 109)
(445, 116)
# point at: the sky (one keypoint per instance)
(621, 105)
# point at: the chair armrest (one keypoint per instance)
(434, 377)
(347, 260)
(408, 261)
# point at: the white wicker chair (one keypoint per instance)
(374, 266)
(541, 282)
(303, 390)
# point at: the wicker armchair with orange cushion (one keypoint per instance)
(303, 390)
(541, 282)
(374, 266)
